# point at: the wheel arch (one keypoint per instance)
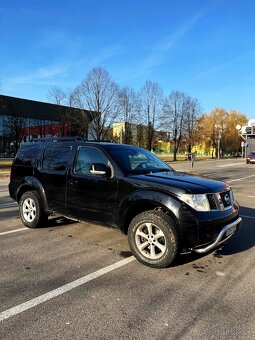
(143, 201)
(31, 183)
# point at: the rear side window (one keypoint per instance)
(28, 155)
(47, 157)
(56, 157)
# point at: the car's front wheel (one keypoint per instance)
(31, 209)
(153, 239)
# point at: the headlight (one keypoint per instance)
(198, 202)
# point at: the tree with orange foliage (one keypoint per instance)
(218, 131)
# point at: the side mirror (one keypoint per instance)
(100, 169)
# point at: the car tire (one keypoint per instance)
(153, 239)
(31, 210)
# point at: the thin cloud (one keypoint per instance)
(222, 66)
(100, 57)
(160, 50)
(42, 75)
(169, 42)
(57, 74)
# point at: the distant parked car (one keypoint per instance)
(251, 158)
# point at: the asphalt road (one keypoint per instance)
(74, 280)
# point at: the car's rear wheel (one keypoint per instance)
(31, 210)
(153, 239)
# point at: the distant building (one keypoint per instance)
(137, 136)
(162, 142)
(248, 134)
(23, 119)
(120, 130)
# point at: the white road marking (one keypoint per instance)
(240, 179)
(245, 216)
(63, 289)
(251, 196)
(13, 231)
(9, 205)
(230, 164)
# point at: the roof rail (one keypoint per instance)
(56, 139)
(99, 141)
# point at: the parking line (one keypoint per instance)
(240, 179)
(63, 289)
(246, 216)
(13, 231)
(9, 205)
(230, 164)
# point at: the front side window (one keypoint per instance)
(86, 157)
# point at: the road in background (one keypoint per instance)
(210, 296)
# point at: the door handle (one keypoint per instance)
(73, 183)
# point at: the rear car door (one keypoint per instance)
(53, 175)
(91, 196)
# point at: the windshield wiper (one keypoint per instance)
(140, 171)
(162, 170)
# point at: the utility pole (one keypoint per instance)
(219, 145)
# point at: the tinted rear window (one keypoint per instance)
(28, 155)
(56, 157)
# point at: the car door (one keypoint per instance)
(90, 196)
(53, 175)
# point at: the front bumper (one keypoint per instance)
(222, 237)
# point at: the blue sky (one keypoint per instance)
(204, 48)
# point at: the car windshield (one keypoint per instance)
(137, 160)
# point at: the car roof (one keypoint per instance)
(48, 142)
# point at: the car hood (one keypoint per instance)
(180, 182)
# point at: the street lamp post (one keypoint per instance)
(243, 144)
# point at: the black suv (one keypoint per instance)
(164, 212)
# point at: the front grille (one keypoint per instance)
(212, 201)
(220, 201)
(226, 198)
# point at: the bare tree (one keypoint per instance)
(57, 96)
(175, 108)
(191, 126)
(151, 98)
(78, 120)
(98, 93)
(14, 129)
(140, 132)
(128, 111)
